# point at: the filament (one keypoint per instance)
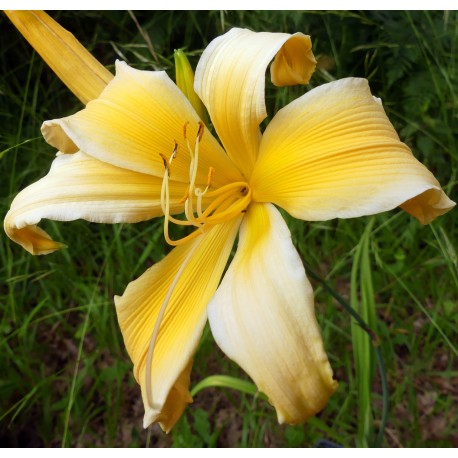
(157, 325)
(222, 204)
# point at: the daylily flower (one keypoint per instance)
(140, 151)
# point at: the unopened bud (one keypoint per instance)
(185, 81)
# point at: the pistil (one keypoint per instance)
(225, 203)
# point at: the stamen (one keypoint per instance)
(174, 152)
(216, 203)
(157, 325)
(225, 203)
(200, 131)
(185, 239)
(189, 211)
(166, 163)
(186, 124)
(200, 194)
(230, 212)
(211, 171)
(165, 195)
(165, 205)
(228, 187)
(185, 197)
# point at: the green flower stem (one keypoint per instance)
(374, 340)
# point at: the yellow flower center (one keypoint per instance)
(202, 208)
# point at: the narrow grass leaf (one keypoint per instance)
(226, 381)
(362, 300)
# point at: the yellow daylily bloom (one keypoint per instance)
(140, 150)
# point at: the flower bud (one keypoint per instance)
(185, 81)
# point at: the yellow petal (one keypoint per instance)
(287, 69)
(428, 205)
(138, 117)
(262, 317)
(79, 186)
(230, 81)
(194, 269)
(333, 153)
(84, 75)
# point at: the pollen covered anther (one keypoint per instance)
(200, 131)
(185, 127)
(166, 163)
(175, 150)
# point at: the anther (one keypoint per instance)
(211, 171)
(185, 127)
(166, 163)
(200, 131)
(185, 197)
(175, 151)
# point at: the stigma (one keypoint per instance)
(204, 206)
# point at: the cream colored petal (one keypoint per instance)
(79, 186)
(333, 153)
(230, 81)
(67, 57)
(262, 317)
(191, 273)
(428, 205)
(138, 117)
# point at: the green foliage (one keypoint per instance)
(362, 301)
(65, 377)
